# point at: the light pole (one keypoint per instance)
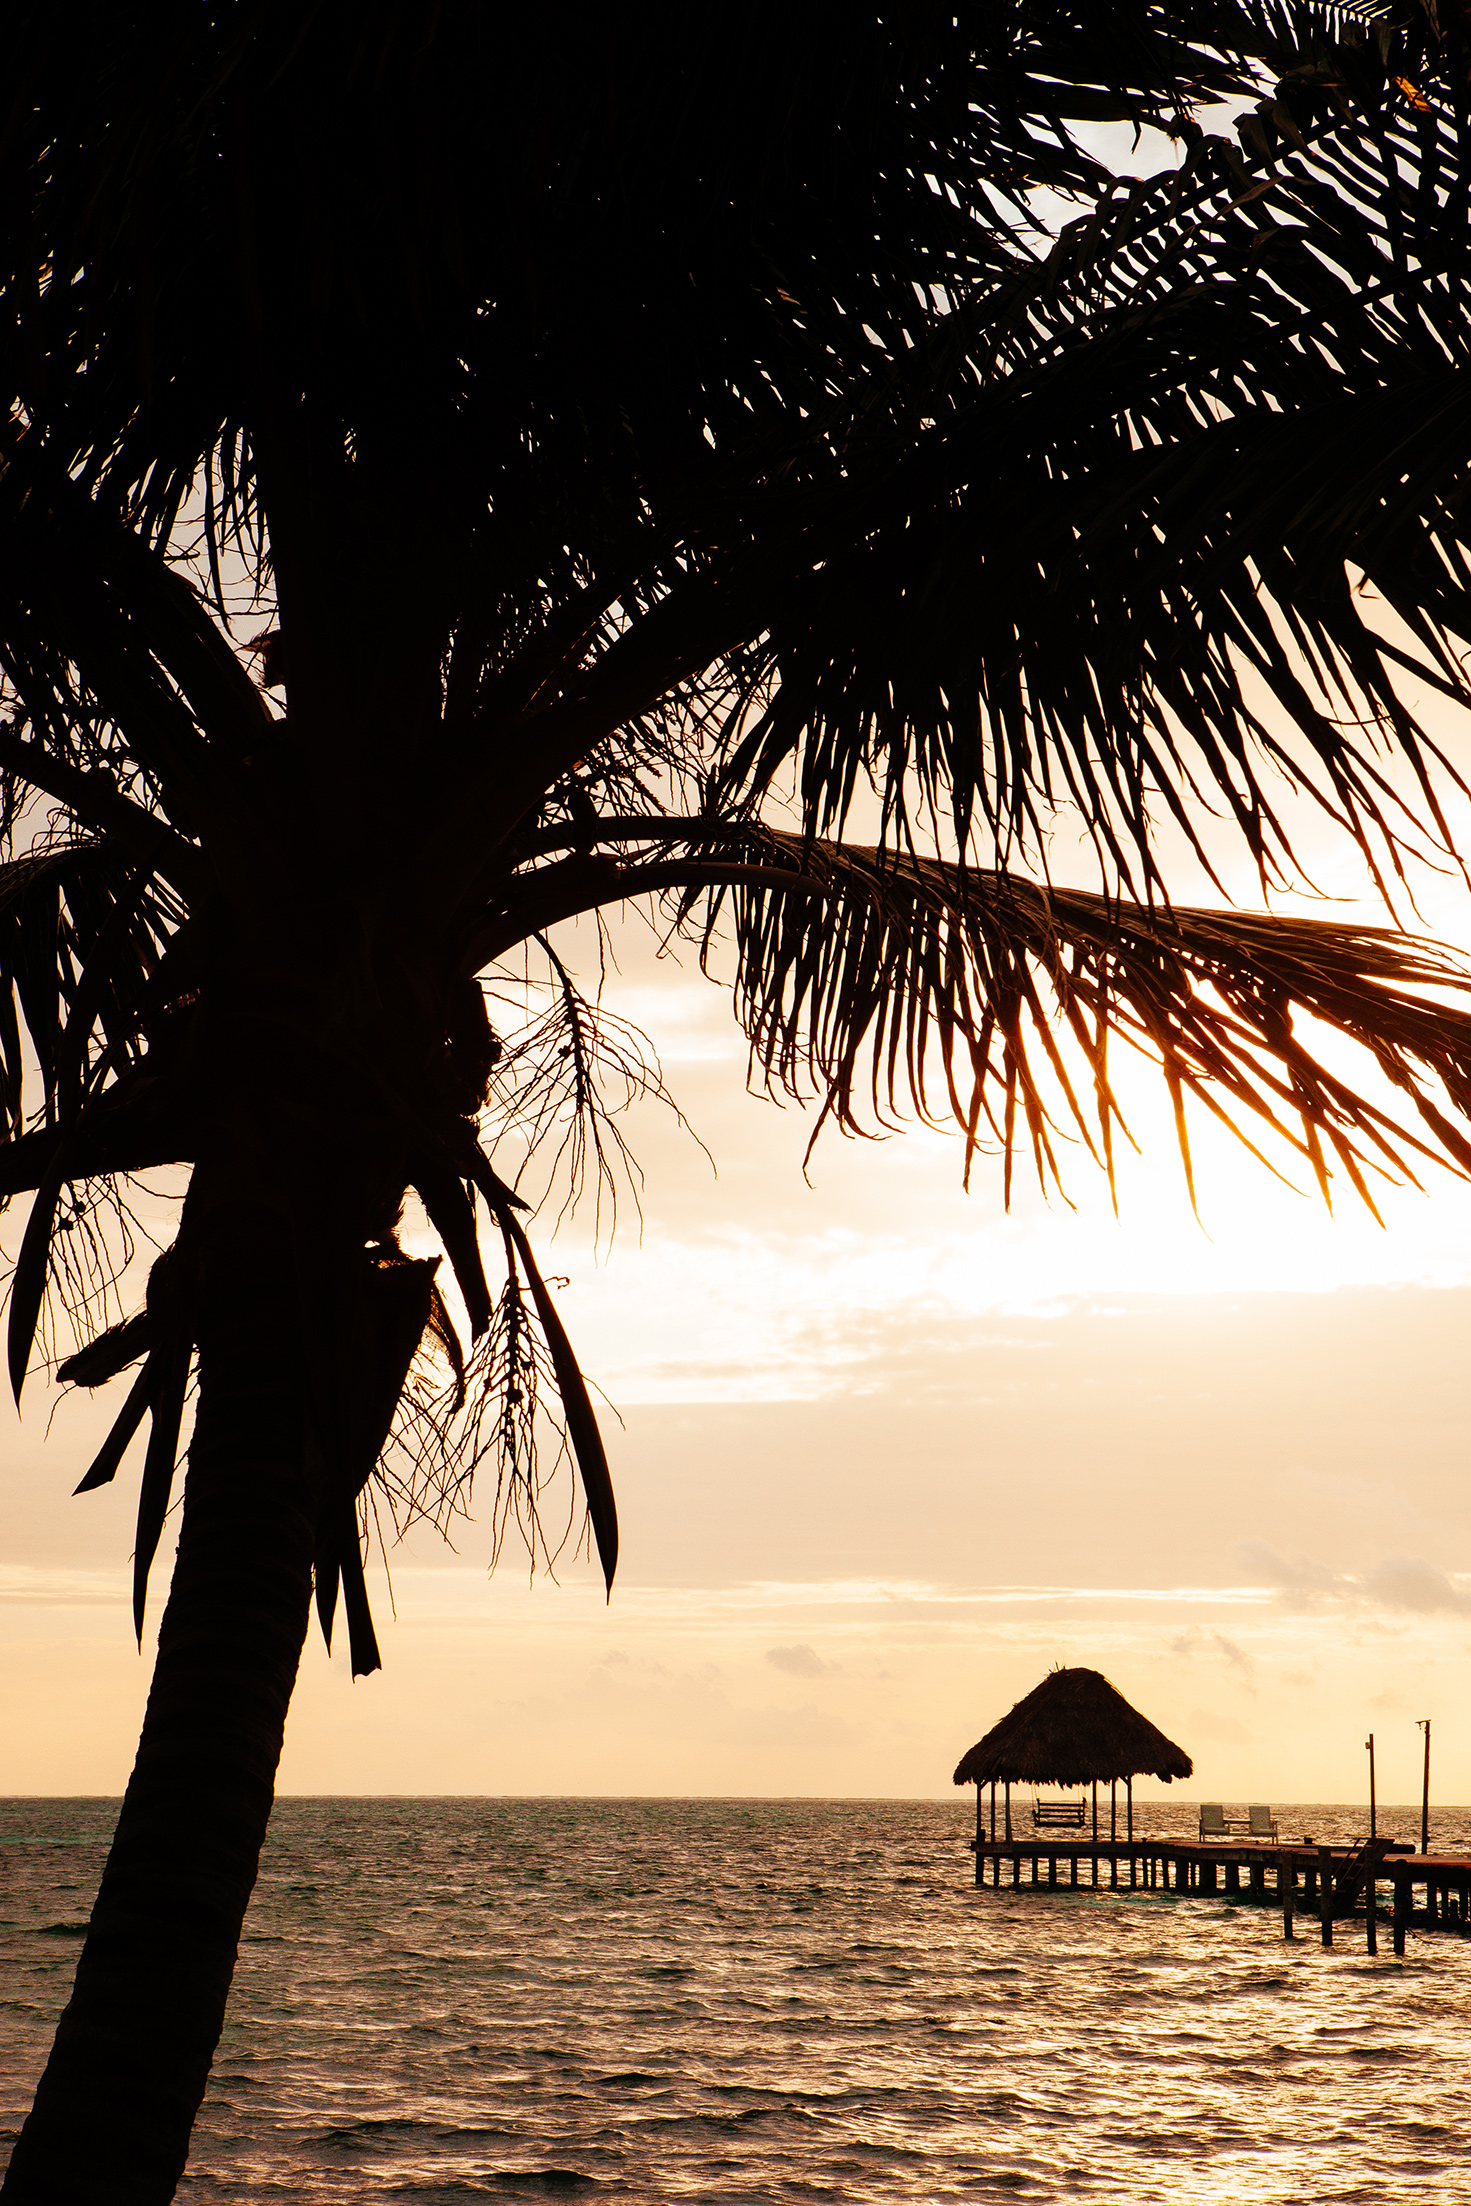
(1423, 1724)
(1369, 1743)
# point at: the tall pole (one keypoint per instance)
(1373, 1828)
(1423, 1724)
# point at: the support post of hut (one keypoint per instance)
(1095, 1815)
(1129, 1782)
(1008, 1811)
(980, 1833)
(993, 1811)
(1113, 1811)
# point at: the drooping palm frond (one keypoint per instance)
(878, 982)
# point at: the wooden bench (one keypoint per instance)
(1059, 1815)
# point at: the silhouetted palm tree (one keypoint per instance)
(681, 469)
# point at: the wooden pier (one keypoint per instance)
(1330, 1884)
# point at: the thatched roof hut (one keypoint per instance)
(1072, 1729)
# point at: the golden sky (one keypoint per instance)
(887, 1453)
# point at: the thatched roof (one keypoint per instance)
(1071, 1729)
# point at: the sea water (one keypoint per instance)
(442, 1999)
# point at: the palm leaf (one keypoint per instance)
(167, 1406)
(28, 1287)
(452, 1215)
(1137, 495)
(111, 1352)
(582, 1424)
(363, 1651)
(109, 1456)
(868, 979)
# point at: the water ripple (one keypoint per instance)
(763, 2001)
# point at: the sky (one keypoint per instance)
(885, 1454)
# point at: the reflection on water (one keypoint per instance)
(444, 1999)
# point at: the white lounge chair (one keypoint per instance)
(1260, 1820)
(1212, 1819)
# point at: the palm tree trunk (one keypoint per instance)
(113, 2113)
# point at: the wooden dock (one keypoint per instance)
(1332, 1884)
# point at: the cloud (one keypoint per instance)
(1193, 1642)
(62, 1587)
(798, 1661)
(1405, 1582)
(1295, 1574)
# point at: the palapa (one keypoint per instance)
(1072, 1729)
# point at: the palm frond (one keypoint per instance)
(989, 999)
(1160, 466)
(564, 1082)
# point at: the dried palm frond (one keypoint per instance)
(493, 1414)
(562, 1085)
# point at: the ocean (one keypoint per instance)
(444, 1999)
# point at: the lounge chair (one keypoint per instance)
(1215, 1823)
(1261, 1823)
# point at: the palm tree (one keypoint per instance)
(678, 467)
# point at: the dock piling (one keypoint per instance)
(1321, 1879)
